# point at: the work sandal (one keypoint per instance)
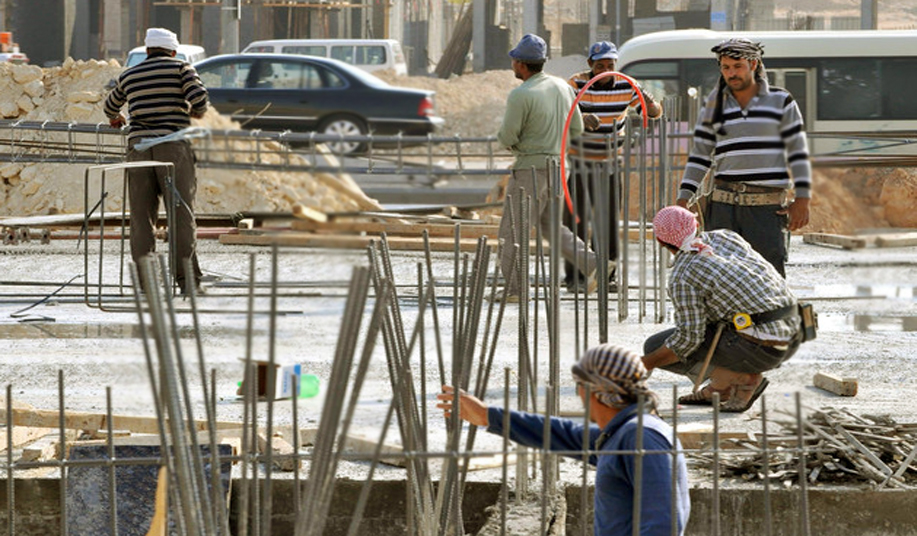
(735, 405)
(704, 396)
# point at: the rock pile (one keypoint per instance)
(74, 92)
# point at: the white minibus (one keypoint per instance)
(367, 54)
(854, 88)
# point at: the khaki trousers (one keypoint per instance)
(525, 182)
(149, 184)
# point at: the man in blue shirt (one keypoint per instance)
(616, 378)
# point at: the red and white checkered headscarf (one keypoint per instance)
(677, 226)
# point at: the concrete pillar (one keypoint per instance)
(594, 18)
(230, 16)
(869, 14)
(186, 27)
(435, 31)
(396, 21)
(530, 17)
(721, 15)
(478, 35)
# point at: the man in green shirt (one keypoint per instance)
(532, 129)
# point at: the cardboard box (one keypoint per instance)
(286, 378)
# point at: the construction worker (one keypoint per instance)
(754, 134)
(726, 297)
(604, 106)
(162, 94)
(532, 129)
(615, 378)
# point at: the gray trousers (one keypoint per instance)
(523, 183)
(147, 185)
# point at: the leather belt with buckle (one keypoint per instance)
(762, 342)
(748, 199)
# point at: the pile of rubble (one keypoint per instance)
(75, 91)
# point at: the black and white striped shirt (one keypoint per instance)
(763, 144)
(160, 92)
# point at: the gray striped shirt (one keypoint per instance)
(160, 92)
(705, 289)
(764, 144)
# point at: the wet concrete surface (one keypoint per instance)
(865, 299)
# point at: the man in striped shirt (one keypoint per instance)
(752, 135)
(162, 94)
(726, 297)
(604, 106)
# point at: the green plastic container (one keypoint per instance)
(308, 385)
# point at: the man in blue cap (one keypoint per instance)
(604, 106)
(532, 129)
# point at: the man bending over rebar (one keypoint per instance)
(615, 378)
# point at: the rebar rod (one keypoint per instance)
(267, 505)
(197, 480)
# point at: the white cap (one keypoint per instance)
(161, 38)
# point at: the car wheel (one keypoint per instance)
(344, 126)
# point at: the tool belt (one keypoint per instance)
(741, 321)
(744, 194)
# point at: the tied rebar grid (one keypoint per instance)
(435, 509)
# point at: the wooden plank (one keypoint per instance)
(92, 422)
(896, 240)
(23, 435)
(835, 384)
(160, 521)
(397, 229)
(47, 447)
(309, 214)
(297, 239)
(844, 241)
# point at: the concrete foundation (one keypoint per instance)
(831, 512)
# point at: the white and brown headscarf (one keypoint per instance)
(738, 48)
(616, 376)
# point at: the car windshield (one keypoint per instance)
(363, 76)
(136, 57)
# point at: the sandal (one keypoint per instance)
(704, 397)
(734, 405)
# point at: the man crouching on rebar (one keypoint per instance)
(735, 318)
(613, 379)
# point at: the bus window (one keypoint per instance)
(702, 74)
(370, 55)
(659, 78)
(310, 50)
(795, 83)
(899, 77)
(343, 53)
(847, 90)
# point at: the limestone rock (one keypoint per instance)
(35, 88)
(9, 109)
(84, 96)
(23, 74)
(25, 104)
